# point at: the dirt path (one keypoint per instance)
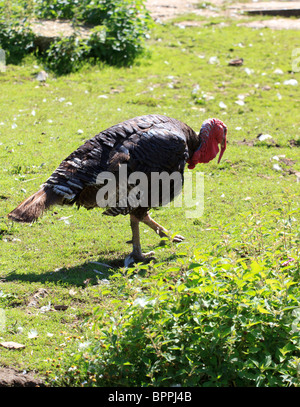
(168, 9)
(162, 10)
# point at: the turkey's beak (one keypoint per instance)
(223, 148)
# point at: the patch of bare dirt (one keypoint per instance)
(53, 27)
(46, 31)
(163, 10)
(12, 378)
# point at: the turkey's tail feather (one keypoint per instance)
(34, 206)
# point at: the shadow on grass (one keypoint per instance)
(87, 273)
(81, 275)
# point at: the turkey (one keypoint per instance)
(145, 145)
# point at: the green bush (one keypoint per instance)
(119, 38)
(220, 324)
(56, 9)
(66, 55)
(16, 38)
(118, 31)
(230, 317)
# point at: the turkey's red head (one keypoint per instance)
(213, 132)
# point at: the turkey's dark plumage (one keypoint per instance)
(146, 144)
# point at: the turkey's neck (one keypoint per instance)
(193, 141)
(198, 154)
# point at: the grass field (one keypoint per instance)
(250, 222)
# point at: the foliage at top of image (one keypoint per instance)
(87, 11)
(118, 30)
(16, 38)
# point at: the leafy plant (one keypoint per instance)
(118, 30)
(210, 320)
(56, 9)
(16, 37)
(66, 55)
(124, 26)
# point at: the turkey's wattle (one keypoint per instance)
(146, 144)
(212, 133)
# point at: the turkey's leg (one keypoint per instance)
(137, 254)
(160, 230)
(136, 244)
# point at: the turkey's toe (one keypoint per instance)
(149, 254)
(178, 239)
(129, 260)
(138, 258)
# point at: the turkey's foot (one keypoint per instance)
(135, 257)
(178, 239)
(160, 230)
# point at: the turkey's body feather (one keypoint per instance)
(148, 144)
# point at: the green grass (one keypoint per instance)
(57, 253)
